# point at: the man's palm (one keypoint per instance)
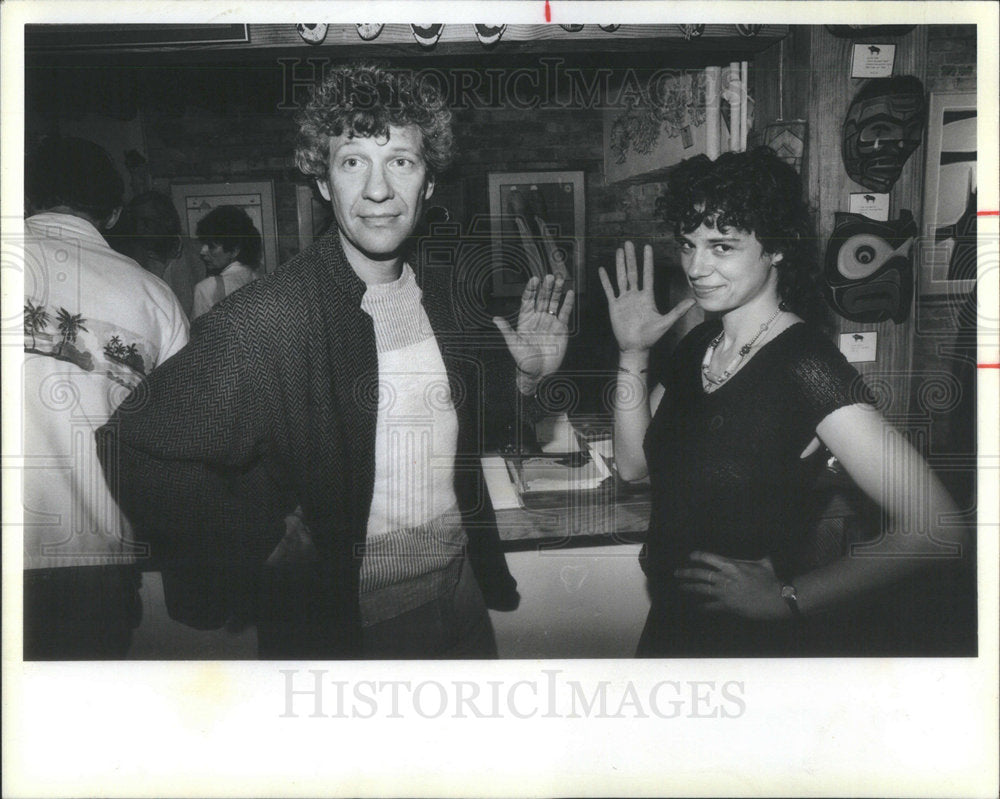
(538, 345)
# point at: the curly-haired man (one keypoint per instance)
(333, 480)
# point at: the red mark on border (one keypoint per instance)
(548, 12)
(988, 365)
(978, 213)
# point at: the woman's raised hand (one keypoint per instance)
(636, 322)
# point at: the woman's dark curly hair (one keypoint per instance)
(753, 192)
(364, 100)
(231, 228)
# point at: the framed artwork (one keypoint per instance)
(947, 262)
(194, 200)
(537, 227)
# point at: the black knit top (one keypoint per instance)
(725, 468)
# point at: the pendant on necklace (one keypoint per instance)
(740, 355)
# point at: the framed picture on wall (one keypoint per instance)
(947, 260)
(537, 227)
(194, 200)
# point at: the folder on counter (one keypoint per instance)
(547, 474)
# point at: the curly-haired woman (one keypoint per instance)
(732, 434)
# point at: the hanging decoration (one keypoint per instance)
(609, 28)
(489, 35)
(427, 35)
(748, 30)
(883, 126)
(369, 30)
(572, 28)
(787, 137)
(311, 32)
(868, 271)
(692, 31)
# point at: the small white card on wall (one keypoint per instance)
(859, 347)
(870, 204)
(873, 60)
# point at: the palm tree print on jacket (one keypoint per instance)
(70, 325)
(36, 319)
(128, 355)
(124, 359)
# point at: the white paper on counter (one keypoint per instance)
(604, 447)
(498, 483)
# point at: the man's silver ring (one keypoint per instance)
(549, 310)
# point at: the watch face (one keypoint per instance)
(787, 592)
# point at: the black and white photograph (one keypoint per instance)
(549, 407)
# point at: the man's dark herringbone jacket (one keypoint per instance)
(272, 405)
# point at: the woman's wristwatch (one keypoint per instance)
(791, 599)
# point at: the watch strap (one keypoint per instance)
(791, 599)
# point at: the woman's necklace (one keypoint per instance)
(713, 381)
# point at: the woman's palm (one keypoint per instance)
(635, 320)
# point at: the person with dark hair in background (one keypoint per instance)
(733, 430)
(230, 248)
(95, 324)
(149, 231)
(333, 480)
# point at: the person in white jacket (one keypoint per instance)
(95, 324)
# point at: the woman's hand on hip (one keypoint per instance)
(635, 320)
(748, 588)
